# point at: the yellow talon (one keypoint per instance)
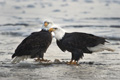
(70, 62)
(42, 60)
(74, 63)
(38, 59)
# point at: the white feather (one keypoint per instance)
(99, 47)
(59, 33)
(18, 59)
(47, 27)
(14, 60)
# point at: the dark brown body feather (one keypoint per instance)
(77, 43)
(35, 45)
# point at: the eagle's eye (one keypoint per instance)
(55, 28)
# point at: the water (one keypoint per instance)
(18, 18)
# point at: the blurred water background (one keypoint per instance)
(19, 18)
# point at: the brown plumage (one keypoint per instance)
(33, 46)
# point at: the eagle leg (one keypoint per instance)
(74, 62)
(36, 60)
(41, 60)
(70, 62)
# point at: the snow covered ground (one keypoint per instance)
(18, 18)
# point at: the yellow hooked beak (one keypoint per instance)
(51, 29)
(46, 24)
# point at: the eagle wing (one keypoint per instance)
(60, 45)
(35, 43)
(70, 44)
(80, 41)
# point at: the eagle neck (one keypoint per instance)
(59, 34)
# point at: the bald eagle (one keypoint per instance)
(78, 43)
(34, 46)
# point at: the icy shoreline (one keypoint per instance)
(19, 18)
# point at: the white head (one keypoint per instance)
(59, 32)
(47, 25)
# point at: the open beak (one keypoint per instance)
(51, 29)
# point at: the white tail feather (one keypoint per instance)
(23, 58)
(14, 60)
(18, 59)
(100, 47)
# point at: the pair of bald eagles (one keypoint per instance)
(36, 44)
